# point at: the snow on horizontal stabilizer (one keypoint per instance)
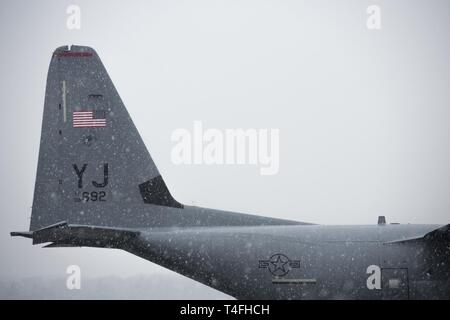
(65, 235)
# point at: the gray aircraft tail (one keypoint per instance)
(93, 164)
(93, 167)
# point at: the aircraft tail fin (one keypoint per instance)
(93, 165)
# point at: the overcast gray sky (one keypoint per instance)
(363, 114)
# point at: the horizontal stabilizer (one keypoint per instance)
(67, 235)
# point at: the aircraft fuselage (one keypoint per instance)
(304, 261)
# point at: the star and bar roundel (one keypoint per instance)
(279, 264)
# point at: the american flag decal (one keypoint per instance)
(89, 119)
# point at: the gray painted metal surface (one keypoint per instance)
(98, 186)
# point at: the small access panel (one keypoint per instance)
(394, 283)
